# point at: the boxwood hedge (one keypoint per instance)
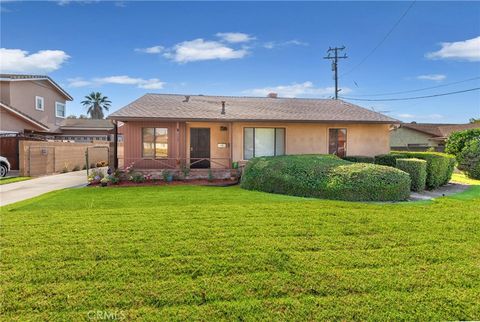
(417, 169)
(359, 158)
(325, 176)
(439, 165)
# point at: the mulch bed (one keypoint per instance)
(193, 182)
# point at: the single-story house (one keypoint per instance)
(85, 130)
(422, 136)
(199, 131)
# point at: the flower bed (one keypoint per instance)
(131, 177)
(193, 182)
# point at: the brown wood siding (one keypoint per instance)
(132, 132)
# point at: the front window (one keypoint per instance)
(263, 142)
(39, 103)
(155, 142)
(337, 142)
(59, 109)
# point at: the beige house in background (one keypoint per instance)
(31, 104)
(422, 136)
(162, 131)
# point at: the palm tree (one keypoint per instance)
(95, 104)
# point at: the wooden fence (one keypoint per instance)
(42, 158)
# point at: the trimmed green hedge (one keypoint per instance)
(359, 158)
(386, 159)
(325, 176)
(417, 169)
(439, 165)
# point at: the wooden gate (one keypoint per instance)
(9, 150)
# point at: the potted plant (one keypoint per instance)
(167, 176)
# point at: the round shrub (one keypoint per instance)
(458, 140)
(359, 158)
(469, 159)
(417, 169)
(325, 176)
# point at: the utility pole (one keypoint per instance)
(335, 58)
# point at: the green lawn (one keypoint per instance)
(208, 253)
(13, 179)
(462, 178)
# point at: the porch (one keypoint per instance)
(193, 149)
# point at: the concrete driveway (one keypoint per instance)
(18, 191)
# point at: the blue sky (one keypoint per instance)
(125, 49)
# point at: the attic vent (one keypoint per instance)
(187, 98)
(272, 95)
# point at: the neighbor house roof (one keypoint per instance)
(439, 130)
(23, 116)
(199, 107)
(18, 77)
(86, 124)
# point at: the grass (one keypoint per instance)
(462, 178)
(13, 179)
(209, 253)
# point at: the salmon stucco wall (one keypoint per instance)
(312, 138)
(219, 142)
(227, 146)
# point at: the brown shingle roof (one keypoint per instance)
(86, 123)
(23, 115)
(199, 107)
(440, 130)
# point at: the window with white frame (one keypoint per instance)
(39, 103)
(59, 109)
(263, 142)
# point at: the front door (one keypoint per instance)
(199, 148)
(337, 142)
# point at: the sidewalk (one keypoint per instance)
(18, 191)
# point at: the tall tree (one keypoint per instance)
(96, 103)
(474, 120)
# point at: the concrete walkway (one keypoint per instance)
(18, 191)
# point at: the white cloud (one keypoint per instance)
(461, 50)
(432, 77)
(152, 83)
(295, 90)
(234, 37)
(199, 49)
(275, 44)
(420, 117)
(43, 61)
(151, 50)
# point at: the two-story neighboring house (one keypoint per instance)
(31, 104)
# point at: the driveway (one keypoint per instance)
(18, 191)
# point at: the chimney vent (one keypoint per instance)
(272, 95)
(223, 107)
(187, 98)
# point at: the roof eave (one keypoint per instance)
(164, 119)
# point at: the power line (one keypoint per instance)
(335, 58)
(381, 41)
(409, 98)
(421, 89)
